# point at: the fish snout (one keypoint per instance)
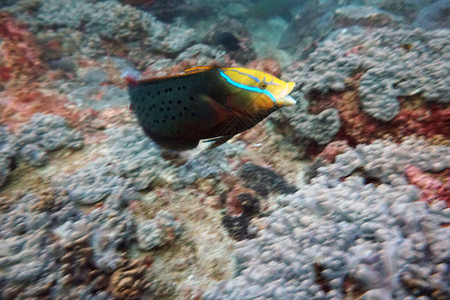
(286, 101)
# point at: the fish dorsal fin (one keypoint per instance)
(199, 69)
(189, 71)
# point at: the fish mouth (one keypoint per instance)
(286, 101)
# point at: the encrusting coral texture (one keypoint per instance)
(344, 195)
(340, 236)
(372, 78)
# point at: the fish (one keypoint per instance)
(205, 103)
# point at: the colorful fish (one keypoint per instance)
(205, 103)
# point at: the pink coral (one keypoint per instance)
(20, 56)
(416, 117)
(432, 189)
(333, 149)
(17, 105)
(233, 203)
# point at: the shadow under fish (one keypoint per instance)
(205, 103)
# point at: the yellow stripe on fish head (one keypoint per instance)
(275, 89)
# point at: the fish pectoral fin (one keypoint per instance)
(219, 111)
(217, 141)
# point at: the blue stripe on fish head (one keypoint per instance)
(248, 88)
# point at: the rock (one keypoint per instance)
(264, 181)
(434, 16)
(353, 15)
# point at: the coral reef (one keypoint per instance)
(7, 153)
(432, 189)
(373, 78)
(343, 196)
(131, 281)
(29, 254)
(136, 157)
(209, 164)
(203, 55)
(20, 56)
(95, 28)
(320, 128)
(94, 183)
(18, 105)
(111, 230)
(263, 180)
(234, 38)
(387, 161)
(43, 134)
(352, 15)
(131, 163)
(4, 169)
(405, 70)
(241, 207)
(434, 16)
(331, 234)
(121, 23)
(159, 231)
(57, 250)
(21, 68)
(98, 97)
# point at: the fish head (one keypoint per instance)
(272, 90)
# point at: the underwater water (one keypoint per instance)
(344, 195)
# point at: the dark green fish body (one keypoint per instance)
(176, 112)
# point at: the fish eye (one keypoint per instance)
(263, 85)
